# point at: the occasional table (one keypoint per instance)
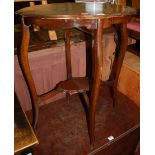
(24, 136)
(75, 15)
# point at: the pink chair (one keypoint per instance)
(134, 32)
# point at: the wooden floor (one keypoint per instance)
(62, 127)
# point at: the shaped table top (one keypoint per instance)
(76, 11)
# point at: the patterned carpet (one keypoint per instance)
(62, 126)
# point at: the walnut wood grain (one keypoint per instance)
(74, 85)
(68, 16)
(74, 11)
(68, 54)
(24, 64)
(97, 79)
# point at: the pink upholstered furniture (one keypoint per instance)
(134, 26)
(134, 33)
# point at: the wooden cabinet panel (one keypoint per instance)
(136, 4)
(122, 2)
(129, 79)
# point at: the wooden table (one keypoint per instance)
(68, 16)
(27, 0)
(24, 135)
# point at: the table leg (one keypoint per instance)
(93, 53)
(24, 64)
(68, 54)
(97, 79)
(120, 53)
(68, 58)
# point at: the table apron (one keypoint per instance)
(61, 23)
(71, 23)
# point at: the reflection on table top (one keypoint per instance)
(76, 10)
(24, 135)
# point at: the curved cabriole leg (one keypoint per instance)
(93, 53)
(96, 81)
(86, 100)
(114, 67)
(68, 59)
(68, 54)
(120, 53)
(24, 64)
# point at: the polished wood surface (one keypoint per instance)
(74, 10)
(136, 4)
(130, 73)
(26, 0)
(24, 135)
(67, 16)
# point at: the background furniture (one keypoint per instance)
(129, 79)
(51, 33)
(134, 33)
(133, 3)
(24, 136)
(133, 25)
